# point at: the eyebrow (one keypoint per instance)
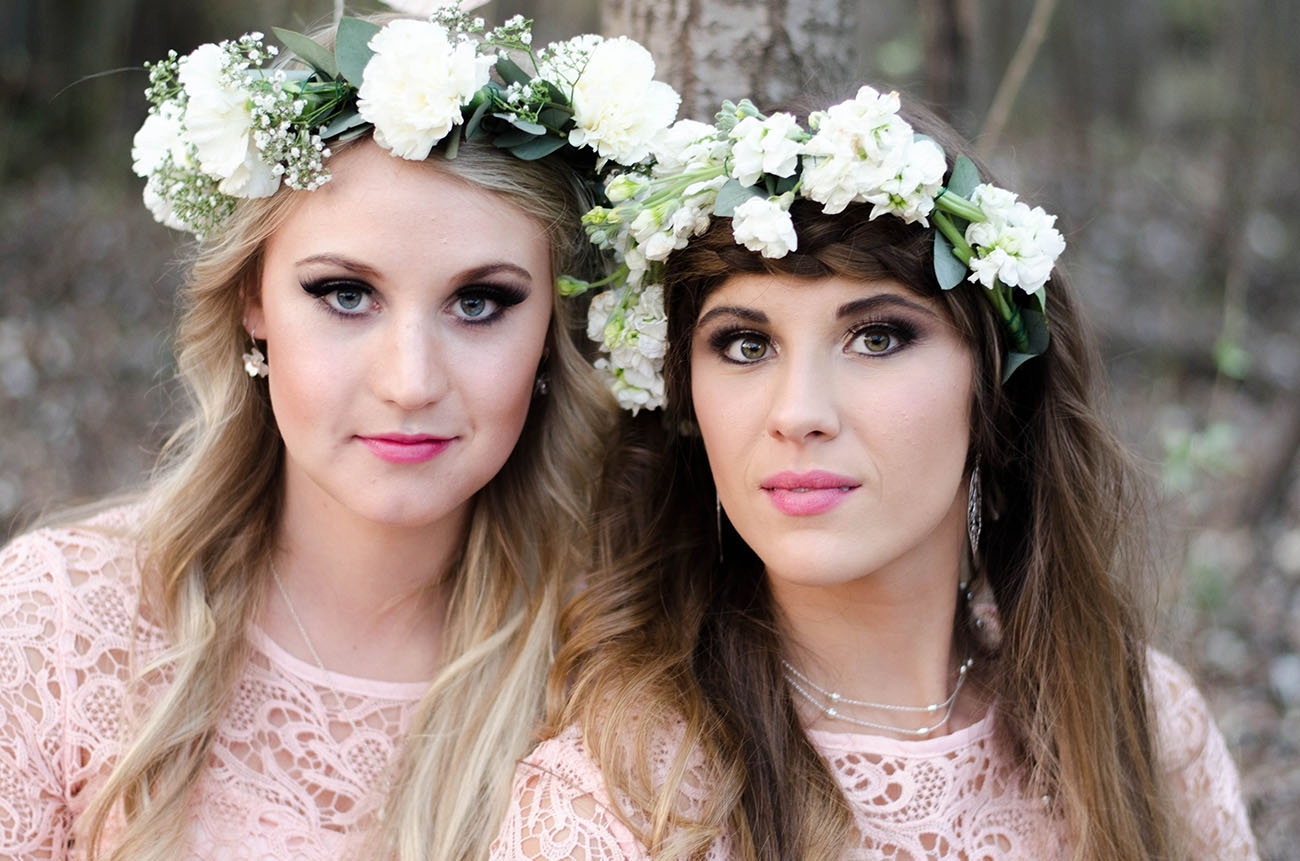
(487, 270)
(849, 309)
(881, 300)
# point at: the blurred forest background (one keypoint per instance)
(1164, 133)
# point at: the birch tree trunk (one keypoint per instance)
(771, 51)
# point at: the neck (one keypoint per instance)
(371, 598)
(884, 638)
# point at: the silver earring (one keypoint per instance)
(541, 384)
(974, 511)
(254, 360)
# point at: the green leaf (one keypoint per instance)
(475, 121)
(310, 52)
(948, 270)
(1014, 360)
(965, 176)
(731, 195)
(538, 147)
(513, 138)
(1036, 327)
(352, 48)
(342, 123)
(523, 125)
(510, 72)
(554, 117)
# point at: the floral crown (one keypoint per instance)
(223, 126)
(751, 167)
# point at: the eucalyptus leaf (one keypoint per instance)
(309, 51)
(731, 195)
(965, 176)
(538, 147)
(948, 270)
(341, 123)
(554, 117)
(1014, 360)
(523, 125)
(352, 48)
(513, 138)
(475, 121)
(1036, 329)
(510, 72)
(784, 184)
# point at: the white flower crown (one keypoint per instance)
(751, 167)
(222, 126)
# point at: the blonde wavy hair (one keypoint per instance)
(212, 512)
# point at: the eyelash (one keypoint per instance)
(902, 333)
(500, 295)
(324, 288)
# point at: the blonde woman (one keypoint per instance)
(878, 594)
(323, 630)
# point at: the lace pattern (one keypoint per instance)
(956, 797)
(298, 764)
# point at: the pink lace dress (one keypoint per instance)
(955, 797)
(297, 768)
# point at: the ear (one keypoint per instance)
(254, 318)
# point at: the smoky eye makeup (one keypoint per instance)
(343, 296)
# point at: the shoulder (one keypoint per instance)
(560, 808)
(74, 575)
(1203, 780)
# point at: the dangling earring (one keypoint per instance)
(718, 508)
(541, 384)
(254, 360)
(981, 604)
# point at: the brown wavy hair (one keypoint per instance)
(672, 641)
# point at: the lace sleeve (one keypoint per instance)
(559, 810)
(34, 812)
(1203, 777)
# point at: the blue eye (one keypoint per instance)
(473, 307)
(343, 297)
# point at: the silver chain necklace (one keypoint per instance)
(827, 702)
(302, 629)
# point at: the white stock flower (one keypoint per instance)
(686, 146)
(618, 106)
(859, 146)
(635, 337)
(1017, 244)
(765, 146)
(416, 85)
(218, 123)
(764, 225)
(910, 193)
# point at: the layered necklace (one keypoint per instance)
(829, 702)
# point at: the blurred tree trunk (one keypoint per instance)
(772, 51)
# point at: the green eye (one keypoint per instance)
(877, 342)
(751, 348)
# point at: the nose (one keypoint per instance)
(410, 369)
(803, 405)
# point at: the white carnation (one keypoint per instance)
(618, 107)
(159, 137)
(218, 123)
(762, 146)
(764, 225)
(1017, 244)
(416, 84)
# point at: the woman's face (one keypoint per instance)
(405, 314)
(836, 416)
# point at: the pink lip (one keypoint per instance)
(802, 494)
(405, 448)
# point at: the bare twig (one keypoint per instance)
(1017, 70)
